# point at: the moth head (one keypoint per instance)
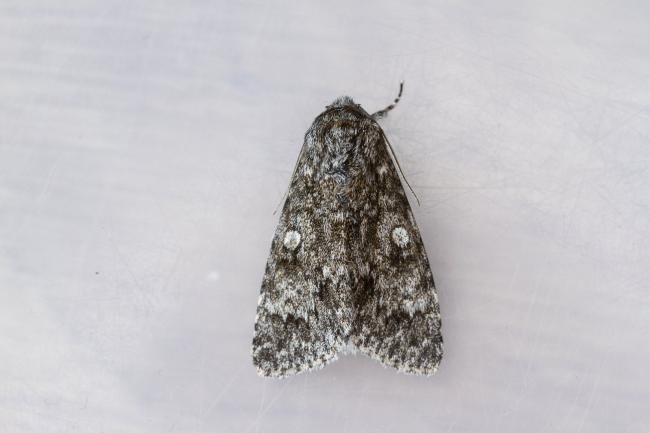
(347, 104)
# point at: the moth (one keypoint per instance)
(347, 265)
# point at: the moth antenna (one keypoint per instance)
(378, 115)
(277, 208)
(382, 113)
(399, 167)
(286, 192)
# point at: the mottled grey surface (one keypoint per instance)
(347, 265)
(144, 147)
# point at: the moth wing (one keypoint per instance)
(398, 317)
(304, 310)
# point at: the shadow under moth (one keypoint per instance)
(347, 265)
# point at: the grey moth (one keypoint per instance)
(347, 265)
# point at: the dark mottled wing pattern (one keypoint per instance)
(305, 312)
(347, 263)
(397, 321)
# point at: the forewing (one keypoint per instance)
(304, 312)
(398, 317)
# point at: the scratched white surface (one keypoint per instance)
(144, 147)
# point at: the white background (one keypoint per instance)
(144, 148)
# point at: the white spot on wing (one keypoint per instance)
(292, 239)
(400, 236)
